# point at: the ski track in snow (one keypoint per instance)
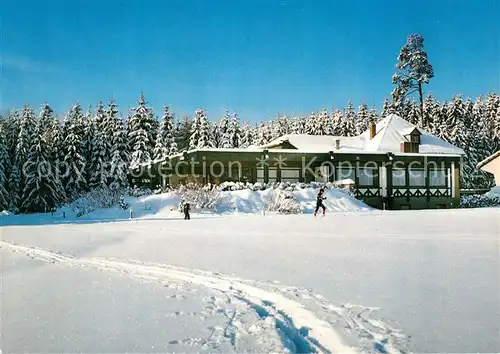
(290, 317)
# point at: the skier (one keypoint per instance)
(186, 211)
(319, 202)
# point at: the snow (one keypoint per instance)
(390, 131)
(420, 281)
(495, 191)
(347, 282)
(165, 206)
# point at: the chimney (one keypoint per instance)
(373, 128)
(337, 144)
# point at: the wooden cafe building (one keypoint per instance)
(393, 165)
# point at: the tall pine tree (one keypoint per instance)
(141, 134)
(42, 191)
(75, 182)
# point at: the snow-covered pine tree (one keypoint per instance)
(387, 108)
(414, 70)
(90, 131)
(160, 152)
(492, 106)
(247, 135)
(362, 119)
(105, 122)
(75, 162)
(118, 177)
(439, 127)
(350, 121)
(42, 190)
(46, 120)
(100, 145)
(311, 125)
(26, 128)
(12, 128)
(183, 133)
(322, 122)
(337, 123)
(431, 114)
(481, 147)
(4, 168)
(14, 189)
(294, 125)
(224, 131)
(235, 132)
(216, 136)
(168, 134)
(455, 122)
(263, 134)
(496, 126)
(141, 134)
(414, 113)
(279, 127)
(195, 131)
(57, 152)
(468, 167)
(204, 140)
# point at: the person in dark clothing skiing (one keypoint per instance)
(319, 202)
(187, 207)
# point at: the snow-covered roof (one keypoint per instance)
(390, 132)
(488, 159)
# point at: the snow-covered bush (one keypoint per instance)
(480, 201)
(99, 198)
(203, 198)
(233, 186)
(284, 202)
(139, 192)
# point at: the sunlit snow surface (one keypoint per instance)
(353, 281)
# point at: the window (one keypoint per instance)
(366, 176)
(290, 174)
(399, 178)
(415, 138)
(417, 177)
(345, 173)
(437, 177)
(273, 174)
(260, 175)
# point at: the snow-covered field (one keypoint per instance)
(423, 281)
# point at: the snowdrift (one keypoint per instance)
(165, 206)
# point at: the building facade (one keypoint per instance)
(393, 165)
(492, 165)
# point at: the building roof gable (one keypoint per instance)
(487, 160)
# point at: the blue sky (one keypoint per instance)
(254, 57)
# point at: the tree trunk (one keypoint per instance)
(421, 104)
